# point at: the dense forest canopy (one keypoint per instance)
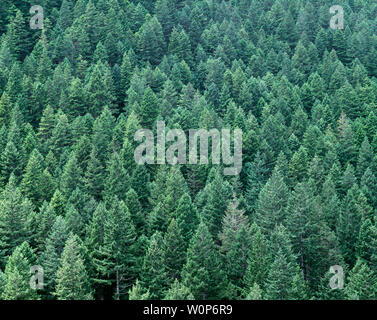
(74, 202)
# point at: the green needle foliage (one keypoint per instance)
(74, 201)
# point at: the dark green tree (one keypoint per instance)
(203, 273)
(153, 273)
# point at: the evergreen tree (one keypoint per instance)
(94, 176)
(218, 197)
(365, 247)
(46, 124)
(365, 158)
(19, 36)
(348, 226)
(117, 180)
(14, 211)
(34, 179)
(72, 281)
(174, 250)
(150, 41)
(258, 261)
(361, 283)
(11, 161)
(118, 259)
(17, 275)
(235, 243)
(71, 177)
(187, 218)
(137, 292)
(149, 109)
(50, 257)
(94, 241)
(140, 183)
(255, 293)
(202, 273)
(137, 215)
(178, 291)
(41, 224)
(272, 203)
(73, 95)
(299, 222)
(100, 89)
(153, 273)
(284, 280)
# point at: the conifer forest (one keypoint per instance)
(81, 218)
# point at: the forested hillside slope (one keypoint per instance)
(75, 203)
